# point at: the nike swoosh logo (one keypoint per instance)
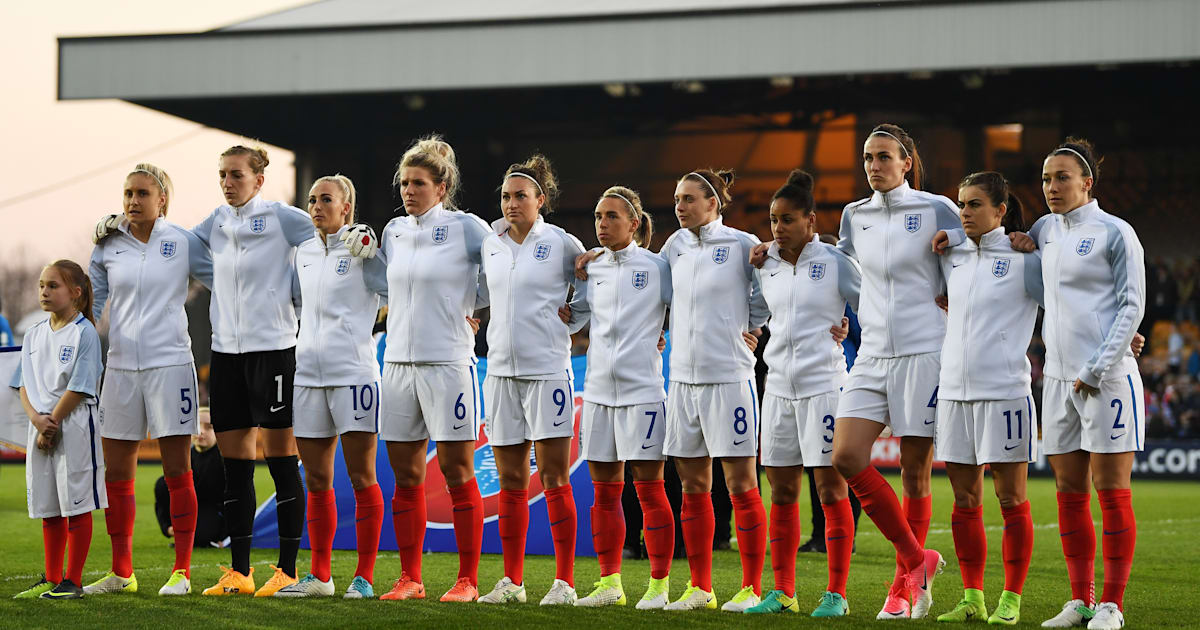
(466, 509)
(1119, 531)
(80, 501)
(1068, 533)
(929, 422)
(750, 529)
(561, 520)
(1004, 618)
(828, 538)
(458, 426)
(1009, 448)
(274, 408)
(119, 251)
(1113, 437)
(825, 451)
(181, 515)
(559, 423)
(738, 442)
(287, 500)
(644, 447)
(650, 529)
(395, 512)
(679, 254)
(774, 540)
(307, 265)
(776, 274)
(357, 418)
(365, 518)
(493, 253)
(185, 421)
(599, 282)
(867, 227)
(956, 267)
(690, 518)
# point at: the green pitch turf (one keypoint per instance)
(1159, 596)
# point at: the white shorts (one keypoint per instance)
(1113, 421)
(621, 434)
(986, 431)
(798, 432)
(70, 479)
(712, 420)
(519, 410)
(899, 392)
(157, 402)
(423, 401)
(324, 412)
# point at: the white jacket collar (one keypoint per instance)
(995, 239)
(248, 206)
(500, 226)
(1082, 213)
(431, 214)
(623, 254)
(160, 224)
(331, 241)
(707, 230)
(893, 196)
(808, 251)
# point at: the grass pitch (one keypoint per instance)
(1160, 594)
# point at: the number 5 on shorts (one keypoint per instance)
(185, 400)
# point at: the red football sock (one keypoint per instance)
(696, 518)
(785, 541)
(749, 516)
(408, 519)
(970, 544)
(1017, 546)
(468, 528)
(1078, 535)
(1120, 537)
(880, 504)
(54, 539)
(79, 538)
(608, 525)
(368, 522)
(560, 508)
(659, 524)
(514, 526)
(839, 543)
(183, 506)
(119, 519)
(918, 511)
(322, 525)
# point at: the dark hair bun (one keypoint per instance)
(726, 176)
(800, 179)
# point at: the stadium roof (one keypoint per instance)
(381, 46)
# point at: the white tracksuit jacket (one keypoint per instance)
(716, 297)
(994, 297)
(627, 292)
(890, 235)
(340, 296)
(1094, 271)
(806, 300)
(253, 249)
(146, 286)
(526, 286)
(435, 282)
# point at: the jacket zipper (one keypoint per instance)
(966, 379)
(237, 283)
(887, 272)
(616, 330)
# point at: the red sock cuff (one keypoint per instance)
(745, 499)
(119, 488)
(409, 494)
(179, 481)
(561, 490)
(607, 491)
(1115, 497)
(465, 492)
(920, 507)
(1016, 510)
(867, 481)
(363, 496)
(970, 513)
(1074, 499)
(322, 497)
